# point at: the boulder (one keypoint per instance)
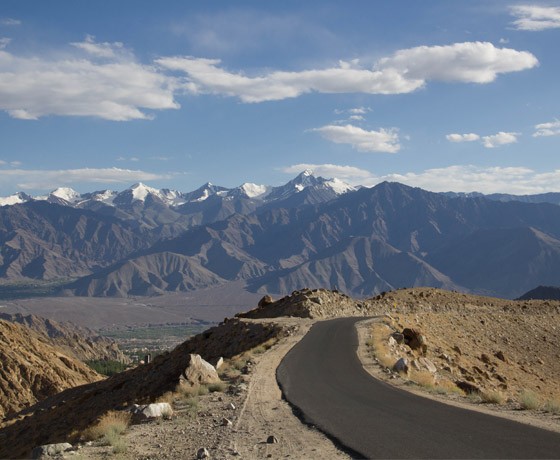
(467, 387)
(272, 440)
(427, 364)
(401, 366)
(414, 339)
(266, 300)
(398, 337)
(50, 450)
(219, 363)
(500, 355)
(200, 372)
(154, 410)
(392, 342)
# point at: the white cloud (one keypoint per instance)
(552, 128)
(470, 62)
(457, 178)
(384, 140)
(405, 71)
(117, 88)
(10, 22)
(48, 179)
(356, 118)
(128, 159)
(470, 137)
(101, 50)
(4, 42)
(535, 17)
(498, 139)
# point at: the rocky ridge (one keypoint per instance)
(78, 342)
(33, 368)
(62, 417)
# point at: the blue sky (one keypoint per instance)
(459, 95)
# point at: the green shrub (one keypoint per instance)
(106, 367)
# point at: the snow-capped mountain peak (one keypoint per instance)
(339, 186)
(16, 198)
(140, 191)
(66, 193)
(253, 190)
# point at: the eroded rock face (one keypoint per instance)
(33, 368)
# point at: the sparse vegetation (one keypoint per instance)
(378, 343)
(218, 387)
(529, 400)
(552, 406)
(493, 397)
(109, 428)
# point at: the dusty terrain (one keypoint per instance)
(464, 336)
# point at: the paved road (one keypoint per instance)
(323, 377)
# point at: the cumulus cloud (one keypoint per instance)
(535, 17)
(113, 88)
(404, 72)
(457, 178)
(489, 142)
(48, 179)
(470, 137)
(552, 128)
(384, 140)
(498, 139)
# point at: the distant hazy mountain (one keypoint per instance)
(552, 197)
(542, 293)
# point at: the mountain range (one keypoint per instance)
(311, 232)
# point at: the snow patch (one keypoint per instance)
(253, 190)
(66, 193)
(339, 187)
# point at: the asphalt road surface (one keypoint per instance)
(323, 377)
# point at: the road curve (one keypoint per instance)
(323, 377)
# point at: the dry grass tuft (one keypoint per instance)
(552, 406)
(380, 347)
(493, 397)
(423, 378)
(529, 400)
(109, 428)
(218, 387)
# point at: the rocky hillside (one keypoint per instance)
(79, 342)
(70, 412)
(33, 368)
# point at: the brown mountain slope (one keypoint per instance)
(63, 415)
(33, 368)
(79, 342)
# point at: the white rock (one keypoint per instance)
(154, 410)
(427, 364)
(50, 450)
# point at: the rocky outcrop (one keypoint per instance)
(33, 368)
(76, 341)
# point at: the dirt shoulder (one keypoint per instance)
(254, 406)
(376, 366)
